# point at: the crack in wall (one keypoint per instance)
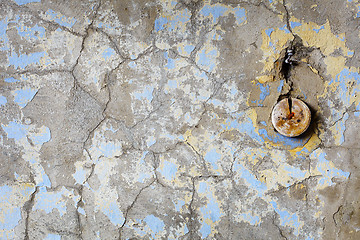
(26, 9)
(28, 206)
(83, 44)
(281, 232)
(131, 206)
(217, 84)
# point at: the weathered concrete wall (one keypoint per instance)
(135, 119)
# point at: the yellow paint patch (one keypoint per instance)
(272, 46)
(312, 144)
(334, 65)
(323, 39)
(265, 78)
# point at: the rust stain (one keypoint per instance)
(291, 117)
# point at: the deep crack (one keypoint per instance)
(28, 206)
(131, 206)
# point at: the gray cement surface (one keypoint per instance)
(134, 119)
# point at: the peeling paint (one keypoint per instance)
(158, 122)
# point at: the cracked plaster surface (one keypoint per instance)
(151, 119)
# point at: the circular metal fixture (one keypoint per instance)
(291, 117)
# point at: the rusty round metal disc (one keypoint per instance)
(291, 117)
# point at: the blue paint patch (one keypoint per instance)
(317, 30)
(179, 205)
(48, 201)
(132, 64)
(269, 31)
(15, 130)
(155, 224)
(143, 176)
(169, 170)
(357, 113)
(3, 100)
(172, 83)
(108, 149)
(287, 219)
(150, 141)
(160, 23)
(216, 102)
(285, 29)
(81, 210)
(22, 2)
(250, 178)
(350, 53)
(23, 60)
(60, 19)
(111, 129)
(114, 214)
(179, 20)
(80, 176)
(294, 172)
(52, 237)
(189, 48)
(23, 96)
(205, 230)
(170, 62)
(3, 37)
(210, 211)
(240, 15)
(214, 11)
(265, 91)
(103, 25)
(11, 80)
(142, 159)
(108, 53)
(253, 220)
(186, 230)
(207, 60)
(202, 187)
(280, 139)
(327, 172)
(304, 95)
(233, 91)
(212, 157)
(294, 24)
(246, 127)
(263, 123)
(146, 94)
(281, 85)
(343, 79)
(95, 80)
(31, 33)
(342, 38)
(42, 137)
(11, 216)
(45, 181)
(202, 75)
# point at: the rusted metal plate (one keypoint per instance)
(291, 117)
